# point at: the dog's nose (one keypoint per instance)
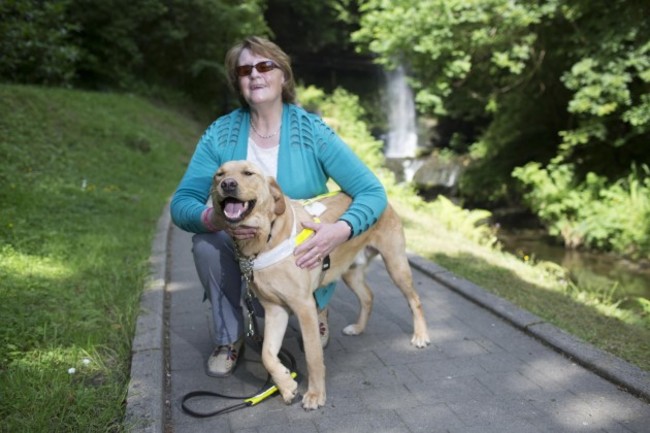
(229, 185)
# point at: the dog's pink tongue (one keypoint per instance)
(234, 209)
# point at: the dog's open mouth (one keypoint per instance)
(236, 210)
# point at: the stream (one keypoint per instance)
(627, 280)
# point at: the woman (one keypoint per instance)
(288, 143)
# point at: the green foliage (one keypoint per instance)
(471, 224)
(342, 112)
(323, 26)
(185, 48)
(487, 181)
(466, 58)
(594, 213)
(146, 45)
(557, 82)
(83, 180)
(645, 305)
(609, 77)
(462, 55)
(36, 45)
(109, 37)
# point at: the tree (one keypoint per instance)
(143, 46)
(548, 81)
(36, 45)
(176, 44)
(562, 76)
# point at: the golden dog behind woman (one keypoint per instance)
(243, 195)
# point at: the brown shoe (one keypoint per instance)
(224, 358)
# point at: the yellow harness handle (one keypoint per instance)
(305, 233)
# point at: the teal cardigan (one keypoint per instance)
(310, 153)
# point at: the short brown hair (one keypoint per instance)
(262, 47)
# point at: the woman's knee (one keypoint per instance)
(213, 254)
(211, 244)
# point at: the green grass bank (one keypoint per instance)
(83, 180)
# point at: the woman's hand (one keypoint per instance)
(326, 237)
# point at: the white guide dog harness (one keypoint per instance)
(268, 258)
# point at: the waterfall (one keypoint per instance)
(410, 166)
(402, 139)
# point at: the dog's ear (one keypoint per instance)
(278, 196)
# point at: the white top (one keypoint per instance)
(266, 158)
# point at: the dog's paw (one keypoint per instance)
(287, 386)
(352, 330)
(420, 341)
(313, 400)
(289, 391)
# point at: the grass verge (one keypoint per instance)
(83, 179)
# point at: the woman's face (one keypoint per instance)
(259, 87)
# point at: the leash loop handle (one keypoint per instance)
(196, 394)
(265, 393)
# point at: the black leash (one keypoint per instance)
(268, 389)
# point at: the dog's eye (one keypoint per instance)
(248, 173)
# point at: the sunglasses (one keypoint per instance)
(265, 66)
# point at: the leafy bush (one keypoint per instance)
(342, 111)
(145, 45)
(172, 43)
(594, 213)
(472, 224)
(36, 44)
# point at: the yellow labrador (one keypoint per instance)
(243, 195)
